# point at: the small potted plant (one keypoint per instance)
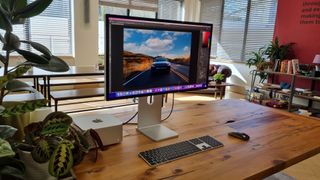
(218, 78)
(10, 166)
(55, 146)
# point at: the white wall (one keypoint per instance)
(240, 77)
(86, 35)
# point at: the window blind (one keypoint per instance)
(261, 24)
(170, 9)
(233, 30)
(211, 13)
(53, 28)
(146, 5)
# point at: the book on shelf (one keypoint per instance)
(287, 66)
(295, 66)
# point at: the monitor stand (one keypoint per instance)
(149, 119)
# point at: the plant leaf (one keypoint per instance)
(12, 167)
(33, 9)
(17, 85)
(7, 131)
(39, 47)
(5, 149)
(32, 57)
(61, 161)
(21, 108)
(1, 109)
(5, 23)
(12, 75)
(41, 152)
(56, 123)
(12, 42)
(55, 65)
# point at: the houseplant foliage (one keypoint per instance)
(14, 12)
(276, 51)
(10, 167)
(56, 141)
(258, 59)
(219, 77)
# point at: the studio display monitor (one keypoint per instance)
(149, 57)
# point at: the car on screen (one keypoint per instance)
(160, 64)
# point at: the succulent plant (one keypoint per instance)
(218, 77)
(14, 12)
(57, 141)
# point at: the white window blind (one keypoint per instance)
(166, 9)
(211, 13)
(261, 24)
(233, 30)
(244, 26)
(53, 28)
(170, 9)
(146, 5)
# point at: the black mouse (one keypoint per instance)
(240, 135)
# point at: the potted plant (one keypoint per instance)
(10, 166)
(55, 146)
(14, 12)
(258, 59)
(275, 51)
(218, 78)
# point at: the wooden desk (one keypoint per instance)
(278, 140)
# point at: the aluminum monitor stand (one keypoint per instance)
(149, 119)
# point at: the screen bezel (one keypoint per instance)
(107, 60)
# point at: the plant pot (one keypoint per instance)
(34, 170)
(37, 171)
(218, 81)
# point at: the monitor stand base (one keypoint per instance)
(149, 119)
(158, 132)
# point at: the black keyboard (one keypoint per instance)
(179, 150)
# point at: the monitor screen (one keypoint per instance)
(148, 56)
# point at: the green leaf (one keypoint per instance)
(12, 75)
(11, 172)
(5, 23)
(5, 149)
(61, 161)
(11, 167)
(56, 123)
(33, 9)
(55, 65)
(17, 85)
(39, 47)
(7, 131)
(21, 108)
(32, 57)
(1, 109)
(19, 4)
(41, 152)
(12, 42)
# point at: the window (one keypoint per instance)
(163, 9)
(52, 28)
(240, 26)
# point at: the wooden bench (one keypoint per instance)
(70, 82)
(75, 94)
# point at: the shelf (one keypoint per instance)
(307, 97)
(307, 77)
(278, 73)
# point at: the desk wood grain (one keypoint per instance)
(278, 140)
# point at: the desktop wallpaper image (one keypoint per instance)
(155, 58)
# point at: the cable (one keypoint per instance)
(172, 106)
(130, 118)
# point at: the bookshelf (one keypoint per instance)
(292, 93)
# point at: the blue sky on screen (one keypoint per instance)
(170, 44)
